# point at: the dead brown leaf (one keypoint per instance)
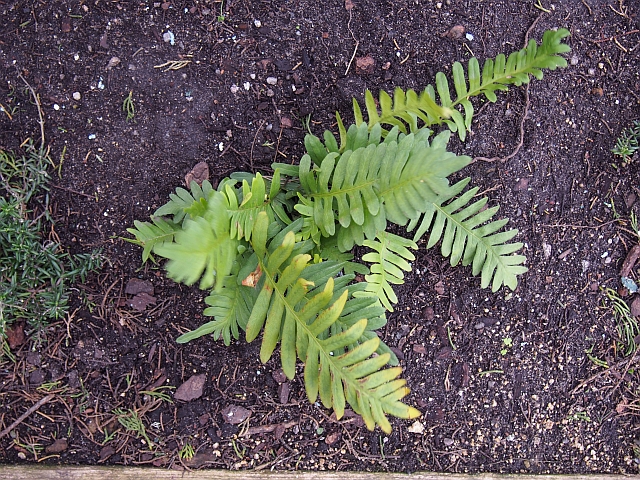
(253, 278)
(365, 65)
(630, 261)
(456, 32)
(59, 446)
(136, 286)
(141, 301)
(198, 174)
(15, 335)
(635, 307)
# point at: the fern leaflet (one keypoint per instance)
(435, 105)
(467, 235)
(203, 250)
(390, 257)
(149, 235)
(286, 317)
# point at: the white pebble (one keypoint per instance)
(246, 86)
(76, 96)
(56, 107)
(169, 37)
(272, 80)
(234, 88)
(469, 36)
(257, 23)
(92, 136)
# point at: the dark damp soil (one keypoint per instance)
(524, 389)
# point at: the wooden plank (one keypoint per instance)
(38, 472)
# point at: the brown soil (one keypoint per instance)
(547, 407)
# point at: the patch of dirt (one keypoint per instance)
(507, 382)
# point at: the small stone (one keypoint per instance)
(272, 80)
(279, 376)
(270, 93)
(169, 37)
(574, 60)
(257, 23)
(635, 307)
(235, 88)
(77, 96)
(479, 326)
(234, 414)
(416, 427)
(191, 389)
(448, 441)
(113, 61)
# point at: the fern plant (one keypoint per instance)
(275, 251)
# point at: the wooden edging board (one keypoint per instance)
(131, 473)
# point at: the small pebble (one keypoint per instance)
(246, 86)
(234, 88)
(272, 80)
(257, 23)
(92, 136)
(574, 60)
(169, 37)
(479, 326)
(270, 93)
(56, 106)
(76, 96)
(448, 441)
(113, 61)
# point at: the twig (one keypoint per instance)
(520, 142)
(254, 142)
(37, 100)
(586, 382)
(524, 115)
(22, 417)
(354, 39)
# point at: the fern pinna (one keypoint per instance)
(275, 252)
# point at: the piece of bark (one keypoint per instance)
(630, 261)
(191, 389)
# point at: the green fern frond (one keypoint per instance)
(244, 205)
(361, 189)
(230, 307)
(149, 235)
(286, 315)
(187, 204)
(389, 258)
(203, 250)
(436, 105)
(468, 236)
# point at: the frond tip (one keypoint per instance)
(435, 105)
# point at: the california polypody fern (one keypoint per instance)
(275, 251)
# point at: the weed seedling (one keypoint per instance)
(187, 452)
(133, 423)
(128, 107)
(627, 142)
